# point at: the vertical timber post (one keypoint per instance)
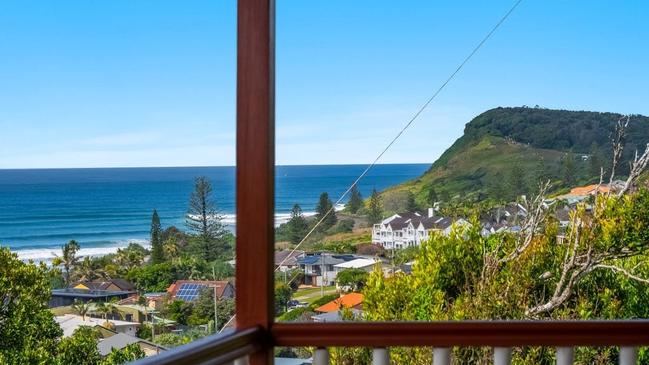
(255, 168)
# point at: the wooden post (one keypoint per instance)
(255, 168)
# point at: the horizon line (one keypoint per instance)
(202, 166)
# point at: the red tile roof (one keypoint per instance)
(351, 300)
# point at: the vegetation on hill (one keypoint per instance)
(506, 152)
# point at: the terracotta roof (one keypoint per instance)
(588, 190)
(347, 301)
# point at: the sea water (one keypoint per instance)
(104, 209)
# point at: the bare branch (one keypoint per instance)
(622, 271)
(638, 165)
(535, 216)
(618, 140)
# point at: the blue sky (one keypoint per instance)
(152, 82)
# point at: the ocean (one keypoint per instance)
(107, 208)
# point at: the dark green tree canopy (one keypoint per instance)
(297, 225)
(205, 222)
(157, 253)
(325, 209)
(355, 200)
(375, 208)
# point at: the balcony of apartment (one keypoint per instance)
(257, 333)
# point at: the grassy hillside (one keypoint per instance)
(507, 151)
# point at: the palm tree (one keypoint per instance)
(88, 270)
(68, 259)
(107, 308)
(170, 248)
(81, 308)
(129, 259)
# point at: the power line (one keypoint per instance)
(405, 127)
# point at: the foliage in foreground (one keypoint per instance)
(597, 271)
(28, 332)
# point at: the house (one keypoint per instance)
(507, 218)
(319, 268)
(581, 193)
(411, 229)
(96, 292)
(189, 290)
(359, 263)
(111, 285)
(350, 301)
(121, 340)
(286, 260)
(153, 301)
(335, 316)
(70, 322)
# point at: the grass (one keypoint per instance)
(473, 167)
(312, 294)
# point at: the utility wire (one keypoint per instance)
(405, 127)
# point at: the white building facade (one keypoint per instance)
(405, 230)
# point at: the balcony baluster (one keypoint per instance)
(380, 356)
(565, 355)
(442, 356)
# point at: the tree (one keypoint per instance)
(355, 200)
(68, 260)
(600, 270)
(375, 209)
(157, 252)
(179, 311)
(411, 204)
(28, 332)
(517, 182)
(203, 309)
(569, 170)
(352, 279)
(171, 249)
(204, 220)
(297, 225)
(595, 160)
(108, 308)
(283, 294)
(130, 257)
(80, 348)
(541, 174)
(81, 308)
(325, 211)
(129, 353)
(431, 196)
(89, 269)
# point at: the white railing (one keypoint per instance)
(501, 356)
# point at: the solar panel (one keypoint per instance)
(189, 291)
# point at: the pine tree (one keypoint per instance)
(325, 206)
(411, 204)
(595, 161)
(431, 196)
(157, 252)
(375, 211)
(297, 225)
(204, 221)
(569, 169)
(517, 186)
(355, 200)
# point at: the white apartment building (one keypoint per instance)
(410, 229)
